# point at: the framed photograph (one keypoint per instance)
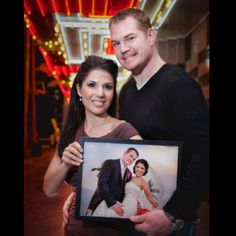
(120, 178)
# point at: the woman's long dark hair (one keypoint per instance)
(76, 113)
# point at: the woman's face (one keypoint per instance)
(97, 92)
(139, 169)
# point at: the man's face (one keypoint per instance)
(133, 47)
(129, 157)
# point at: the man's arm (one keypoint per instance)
(190, 114)
(107, 170)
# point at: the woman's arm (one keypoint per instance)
(59, 167)
(149, 195)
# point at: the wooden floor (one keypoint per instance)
(43, 215)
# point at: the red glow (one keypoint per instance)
(41, 24)
(131, 4)
(84, 7)
(74, 69)
(110, 48)
(27, 8)
(67, 8)
(115, 6)
(142, 211)
(41, 7)
(54, 6)
(47, 59)
(32, 29)
(64, 70)
(66, 93)
(105, 8)
(80, 8)
(58, 71)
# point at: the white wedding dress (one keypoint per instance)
(132, 192)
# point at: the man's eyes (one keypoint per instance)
(115, 44)
(130, 38)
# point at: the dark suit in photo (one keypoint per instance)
(110, 184)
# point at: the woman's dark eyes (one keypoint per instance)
(92, 85)
(109, 87)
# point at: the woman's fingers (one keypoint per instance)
(73, 154)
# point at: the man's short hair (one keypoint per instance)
(139, 15)
(133, 149)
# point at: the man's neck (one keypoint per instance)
(122, 163)
(150, 69)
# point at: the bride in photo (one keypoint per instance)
(133, 189)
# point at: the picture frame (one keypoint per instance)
(164, 163)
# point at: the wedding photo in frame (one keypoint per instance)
(147, 179)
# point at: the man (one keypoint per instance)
(163, 103)
(113, 176)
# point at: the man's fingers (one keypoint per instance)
(138, 219)
(139, 227)
(122, 213)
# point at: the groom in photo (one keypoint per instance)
(113, 176)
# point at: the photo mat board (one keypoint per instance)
(163, 157)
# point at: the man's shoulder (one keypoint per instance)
(127, 88)
(129, 83)
(108, 161)
(175, 78)
(176, 73)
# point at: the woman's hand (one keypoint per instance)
(66, 209)
(59, 166)
(155, 204)
(73, 155)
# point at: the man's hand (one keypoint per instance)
(66, 209)
(154, 223)
(118, 208)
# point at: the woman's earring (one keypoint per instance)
(80, 99)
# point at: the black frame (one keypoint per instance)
(107, 149)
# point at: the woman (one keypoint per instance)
(91, 113)
(133, 190)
